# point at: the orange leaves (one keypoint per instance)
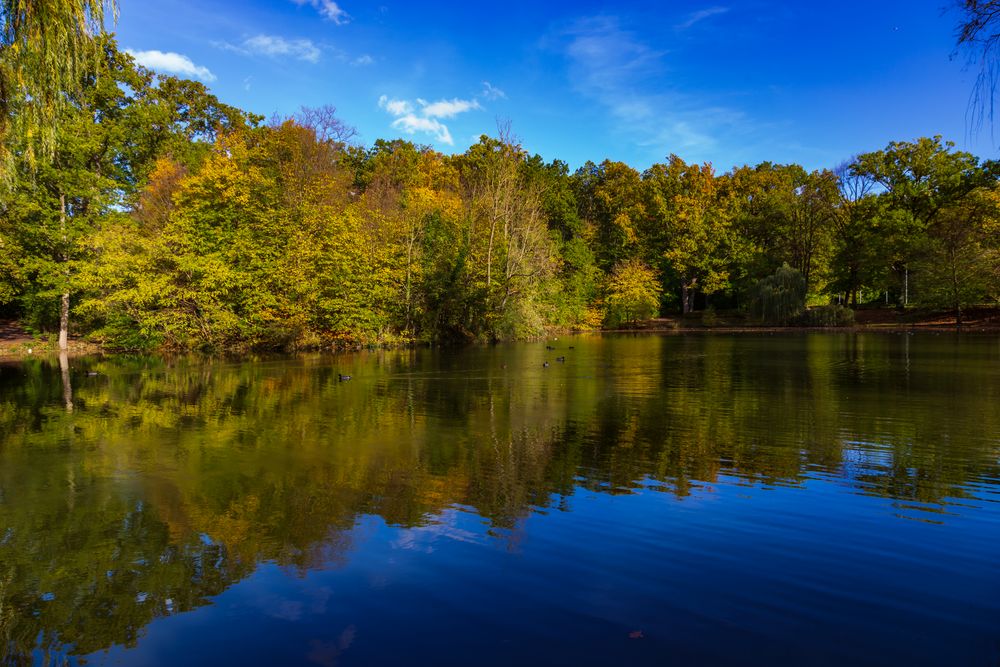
(157, 199)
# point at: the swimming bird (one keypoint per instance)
(545, 364)
(549, 347)
(342, 377)
(560, 358)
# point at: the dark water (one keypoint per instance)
(793, 499)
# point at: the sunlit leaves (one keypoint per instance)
(633, 293)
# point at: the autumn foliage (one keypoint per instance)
(169, 219)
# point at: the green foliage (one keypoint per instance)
(609, 197)
(951, 199)
(11, 268)
(633, 294)
(690, 226)
(574, 296)
(958, 265)
(47, 50)
(779, 298)
(511, 254)
(925, 176)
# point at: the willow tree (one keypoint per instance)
(46, 46)
(53, 206)
(780, 297)
(978, 34)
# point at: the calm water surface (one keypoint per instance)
(797, 499)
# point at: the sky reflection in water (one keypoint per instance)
(821, 499)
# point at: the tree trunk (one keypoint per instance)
(853, 280)
(685, 303)
(64, 305)
(409, 273)
(64, 322)
(906, 286)
(956, 299)
(67, 386)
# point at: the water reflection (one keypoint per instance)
(132, 489)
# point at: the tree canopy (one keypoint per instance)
(163, 217)
(47, 49)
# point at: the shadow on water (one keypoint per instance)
(133, 489)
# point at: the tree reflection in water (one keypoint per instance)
(135, 488)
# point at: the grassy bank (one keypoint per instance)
(982, 318)
(17, 343)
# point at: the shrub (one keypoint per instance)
(833, 315)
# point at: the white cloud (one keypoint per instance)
(274, 46)
(491, 92)
(329, 9)
(411, 124)
(270, 45)
(701, 15)
(395, 107)
(448, 108)
(423, 117)
(169, 62)
(363, 60)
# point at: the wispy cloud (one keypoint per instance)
(447, 108)
(423, 116)
(274, 46)
(491, 92)
(613, 67)
(363, 60)
(395, 107)
(328, 9)
(411, 124)
(169, 62)
(700, 15)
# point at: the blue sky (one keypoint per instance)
(725, 82)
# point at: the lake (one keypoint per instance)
(810, 498)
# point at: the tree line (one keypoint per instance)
(163, 217)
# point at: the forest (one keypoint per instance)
(152, 215)
(751, 498)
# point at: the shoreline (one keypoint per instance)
(30, 349)
(891, 328)
(42, 349)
